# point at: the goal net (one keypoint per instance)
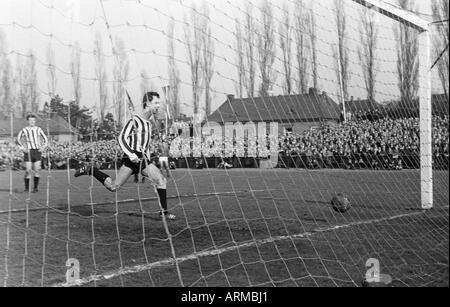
(307, 143)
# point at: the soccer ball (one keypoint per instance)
(340, 203)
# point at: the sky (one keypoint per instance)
(142, 24)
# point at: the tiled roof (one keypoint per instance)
(55, 126)
(292, 108)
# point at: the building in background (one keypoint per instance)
(56, 128)
(293, 113)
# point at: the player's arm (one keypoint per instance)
(123, 139)
(19, 140)
(44, 137)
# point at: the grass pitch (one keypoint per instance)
(234, 228)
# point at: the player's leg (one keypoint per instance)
(36, 159)
(122, 177)
(28, 172)
(157, 179)
(164, 162)
(37, 175)
(111, 185)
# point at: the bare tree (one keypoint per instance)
(32, 82)
(250, 43)
(341, 52)
(192, 36)
(207, 56)
(26, 78)
(240, 58)
(6, 92)
(302, 46)
(22, 88)
(7, 87)
(100, 72)
(2, 43)
(51, 71)
(266, 48)
(120, 73)
(367, 51)
(75, 72)
(407, 58)
(146, 83)
(312, 33)
(2, 60)
(440, 10)
(285, 32)
(174, 73)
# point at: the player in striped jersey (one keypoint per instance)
(32, 140)
(134, 140)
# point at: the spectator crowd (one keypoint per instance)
(380, 144)
(373, 144)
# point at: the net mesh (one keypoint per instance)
(271, 108)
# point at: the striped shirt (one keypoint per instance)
(34, 138)
(136, 136)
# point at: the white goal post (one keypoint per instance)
(424, 27)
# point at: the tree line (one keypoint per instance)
(259, 39)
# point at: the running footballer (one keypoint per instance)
(135, 140)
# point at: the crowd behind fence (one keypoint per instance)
(361, 144)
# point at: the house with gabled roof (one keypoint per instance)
(293, 113)
(55, 127)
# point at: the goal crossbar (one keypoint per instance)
(396, 13)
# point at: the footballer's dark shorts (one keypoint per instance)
(33, 156)
(135, 167)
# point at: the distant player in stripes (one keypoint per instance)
(134, 140)
(32, 140)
